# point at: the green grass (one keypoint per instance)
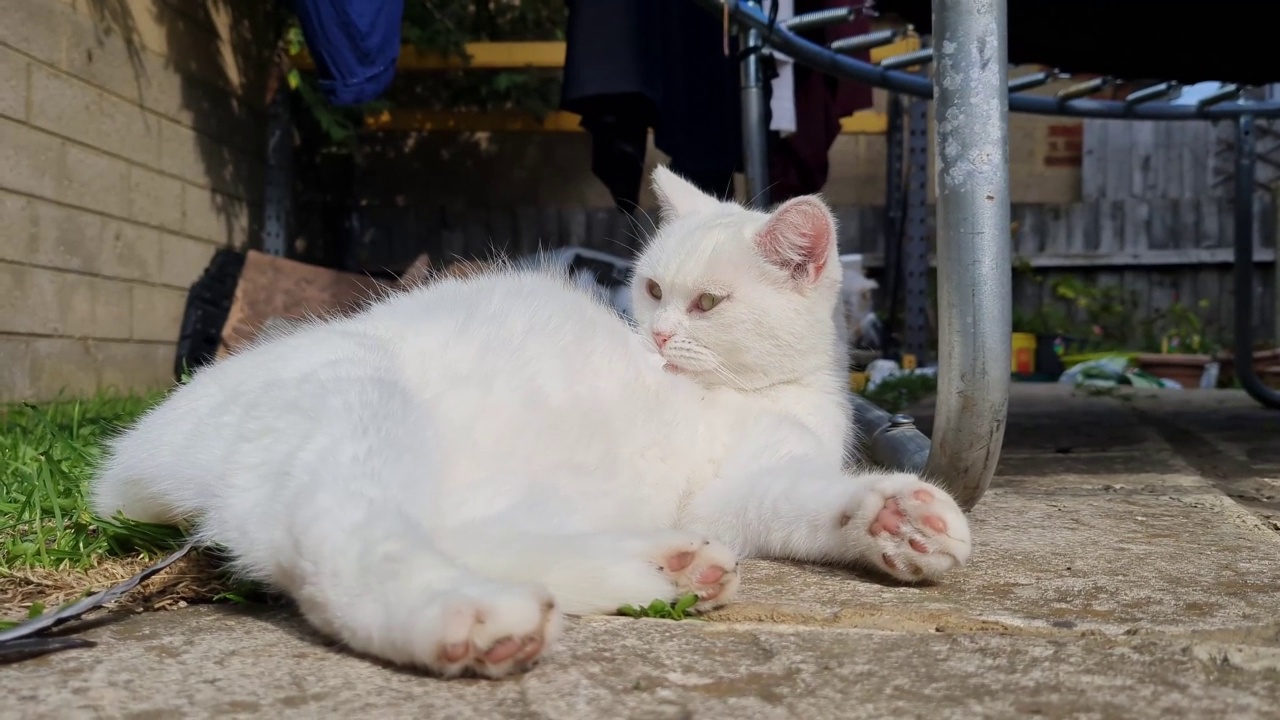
(663, 610)
(47, 455)
(897, 393)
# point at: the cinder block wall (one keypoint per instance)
(130, 149)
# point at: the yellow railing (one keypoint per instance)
(543, 56)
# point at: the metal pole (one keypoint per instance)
(974, 266)
(1275, 287)
(277, 200)
(755, 145)
(914, 254)
(1246, 162)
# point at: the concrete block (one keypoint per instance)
(94, 181)
(183, 260)
(129, 251)
(155, 199)
(41, 301)
(80, 112)
(55, 236)
(205, 161)
(157, 313)
(213, 216)
(17, 237)
(109, 60)
(38, 29)
(13, 85)
(30, 159)
(42, 368)
(133, 367)
(182, 152)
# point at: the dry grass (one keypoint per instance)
(53, 549)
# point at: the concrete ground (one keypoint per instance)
(1127, 565)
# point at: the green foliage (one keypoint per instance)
(1105, 317)
(1178, 329)
(1101, 316)
(899, 392)
(662, 609)
(47, 455)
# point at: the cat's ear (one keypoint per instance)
(799, 238)
(677, 196)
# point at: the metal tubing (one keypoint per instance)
(1275, 293)
(974, 266)
(820, 18)
(1226, 93)
(755, 138)
(1034, 80)
(824, 60)
(1088, 87)
(919, 57)
(866, 41)
(890, 441)
(1149, 94)
(1246, 160)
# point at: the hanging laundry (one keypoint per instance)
(798, 163)
(631, 65)
(782, 100)
(355, 45)
(637, 64)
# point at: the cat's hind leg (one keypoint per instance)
(331, 511)
(595, 573)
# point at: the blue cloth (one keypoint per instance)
(355, 45)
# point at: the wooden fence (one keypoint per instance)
(1155, 219)
(1158, 251)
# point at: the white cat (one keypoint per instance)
(437, 479)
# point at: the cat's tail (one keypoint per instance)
(137, 475)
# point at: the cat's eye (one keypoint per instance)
(706, 301)
(655, 290)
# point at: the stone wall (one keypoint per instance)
(130, 149)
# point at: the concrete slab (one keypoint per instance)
(1114, 576)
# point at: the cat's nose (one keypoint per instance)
(661, 338)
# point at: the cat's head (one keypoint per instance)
(736, 297)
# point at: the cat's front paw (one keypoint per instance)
(704, 567)
(909, 529)
(494, 630)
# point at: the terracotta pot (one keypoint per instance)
(1266, 363)
(1184, 369)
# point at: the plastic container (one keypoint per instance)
(1024, 354)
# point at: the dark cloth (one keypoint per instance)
(631, 65)
(1182, 40)
(798, 164)
(355, 45)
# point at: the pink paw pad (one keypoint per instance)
(890, 519)
(709, 572)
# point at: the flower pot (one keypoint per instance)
(1266, 364)
(1186, 370)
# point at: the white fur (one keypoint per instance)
(436, 479)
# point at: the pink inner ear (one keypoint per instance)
(798, 238)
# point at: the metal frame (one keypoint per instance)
(913, 255)
(1246, 165)
(975, 96)
(277, 191)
